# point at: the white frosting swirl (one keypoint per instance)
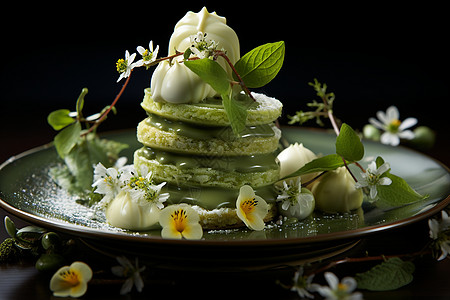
(176, 83)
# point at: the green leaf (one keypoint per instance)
(210, 72)
(236, 113)
(67, 139)
(389, 275)
(348, 144)
(80, 165)
(398, 193)
(259, 66)
(59, 119)
(10, 227)
(321, 164)
(80, 101)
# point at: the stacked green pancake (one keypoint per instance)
(192, 147)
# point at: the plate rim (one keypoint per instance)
(87, 232)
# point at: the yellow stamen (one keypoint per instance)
(70, 277)
(249, 205)
(394, 125)
(342, 287)
(121, 65)
(180, 219)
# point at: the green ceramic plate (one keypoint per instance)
(27, 191)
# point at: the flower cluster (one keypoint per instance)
(296, 201)
(201, 47)
(440, 233)
(335, 290)
(125, 66)
(373, 177)
(110, 182)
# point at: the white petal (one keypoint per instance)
(131, 59)
(407, 135)
(155, 53)
(373, 192)
(383, 168)
(384, 181)
(350, 283)
(150, 46)
(138, 282)
(140, 50)
(382, 117)
(409, 122)
(361, 184)
(392, 113)
(376, 123)
(332, 280)
(388, 138)
(127, 286)
(372, 167)
(434, 228)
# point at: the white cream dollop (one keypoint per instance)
(178, 84)
(125, 213)
(293, 158)
(336, 192)
(213, 25)
(175, 83)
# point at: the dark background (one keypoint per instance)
(372, 56)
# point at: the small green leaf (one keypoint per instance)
(236, 113)
(80, 101)
(321, 164)
(259, 66)
(398, 193)
(210, 72)
(67, 139)
(389, 275)
(348, 144)
(59, 119)
(10, 227)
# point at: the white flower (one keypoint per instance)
(107, 182)
(124, 66)
(71, 280)
(372, 178)
(251, 209)
(148, 55)
(393, 127)
(132, 273)
(439, 232)
(302, 284)
(338, 290)
(296, 201)
(201, 47)
(180, 221)
(140, 187)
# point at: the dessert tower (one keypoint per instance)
(187, 138)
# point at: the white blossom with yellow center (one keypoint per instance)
(71, 280)
(251, 209)
(180, 221)
(394, 129)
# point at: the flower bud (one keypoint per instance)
(424, 138)
(371, 132)
(125, 213)
(336, 192)
(293, 158)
